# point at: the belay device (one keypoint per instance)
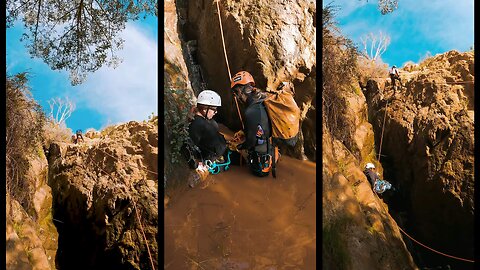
(215, 168)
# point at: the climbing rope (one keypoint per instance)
(418, 242)
(141, 229)
(381, 137)
(376, 195)
(134, 203)
(226, 60)
(134, 207)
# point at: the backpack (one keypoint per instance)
(381, 185)
(284, 115)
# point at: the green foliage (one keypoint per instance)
(24, 133)
(335, 252)
(339, 69)
(341, 164)
(78, 36)
(176, 110)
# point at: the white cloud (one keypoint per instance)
(130, 91)
(421, 25)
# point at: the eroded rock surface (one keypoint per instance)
(31, 236)
(273, 40)
(429, 141)
(357, 229)
(98, 189)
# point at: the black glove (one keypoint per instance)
(240, 146)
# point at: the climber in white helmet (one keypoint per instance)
(370, 173)
(394, 76)
(378, 185)
(208, 142)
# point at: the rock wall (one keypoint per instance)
(31, 236)
(429, 143)
(273, 40)
(98, 188)
(179, 74)
(357, 230)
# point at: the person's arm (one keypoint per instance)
(195, 131)
(250, 131)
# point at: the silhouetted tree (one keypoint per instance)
(78, 35)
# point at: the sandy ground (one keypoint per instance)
(240, 221)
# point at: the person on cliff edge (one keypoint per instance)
(393, 77)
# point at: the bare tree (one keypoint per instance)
(61, 108)
(374, 45)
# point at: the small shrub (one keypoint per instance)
(339, 69)
(176, 111)
(24, 133)
(54, 132)
(369, 69)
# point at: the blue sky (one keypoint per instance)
(416, 28)
(108, 96)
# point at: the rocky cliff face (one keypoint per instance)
(105, 198)
(357, 229)
(31, 237)
(273, 40)
(428, 141)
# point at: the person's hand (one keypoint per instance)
(238, 137)
(232, 146)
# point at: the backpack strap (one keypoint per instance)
(274, 162)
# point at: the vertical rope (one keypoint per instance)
(141, 228)
(223, 41)
(134, 207)
(226, 60)
(386, 211)
(381, 137)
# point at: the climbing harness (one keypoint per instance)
(376, 196)
(215, 167)
(226, 60)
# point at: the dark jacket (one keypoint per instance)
(371, 176)
(257, 128)
(204, 134)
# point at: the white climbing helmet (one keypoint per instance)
(209, 98)
(369, 166)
